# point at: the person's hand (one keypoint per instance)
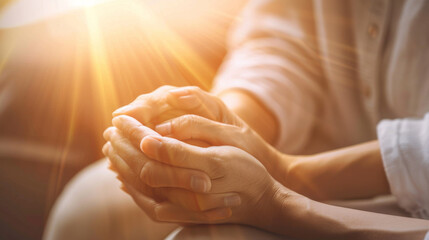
(229, 170)
(192, 109)
(193, 127)
(179, 188)
(168, 102)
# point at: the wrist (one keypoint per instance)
(284, 208)
(300, 217)
(282, 167)
(266, 212)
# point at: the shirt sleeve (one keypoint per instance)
(427, 236)
(404, 147)
(273, 56)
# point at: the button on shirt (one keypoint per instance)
(334, 72)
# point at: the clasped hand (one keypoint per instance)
(184, 157)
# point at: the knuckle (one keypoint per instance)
(135, 132)
(189, 119)
(194, 89)
(122, 144)
(134, 181)
(141, 97)
(243, 131)
(171, 147)
(164, 88)
(217, 166)
(221, 110)
(153, 213)
(143, 188)
(184, 125)
(147, 174)
(166, 152)
(117, 139)
(178, 151)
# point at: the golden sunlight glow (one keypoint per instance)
(66, 65)
(21, 12)
(103, 79)
(87, 58)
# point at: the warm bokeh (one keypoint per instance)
(66, 65)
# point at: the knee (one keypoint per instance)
(64, 223)
(80, 211)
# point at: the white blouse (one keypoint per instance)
(330, 71)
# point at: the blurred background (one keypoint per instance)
(65, 65)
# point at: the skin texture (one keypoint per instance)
(191, 109)
(347, 173)
(185, 157)
(216, 165)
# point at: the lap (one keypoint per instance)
(224, 231)
(92, 206)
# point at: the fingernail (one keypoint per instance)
(232, 201)
(199, 184)
(151, 146)
(164, 128)
(122, 110)
(179, 92)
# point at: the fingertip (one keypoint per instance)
(122, 110)
(105, 148)
(108, 133)
(123, 121)
(119, 178)
(116, 121)
(123, 188)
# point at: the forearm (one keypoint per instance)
(347, 173)
(254, 113)
(352, 172)
(300, 217)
